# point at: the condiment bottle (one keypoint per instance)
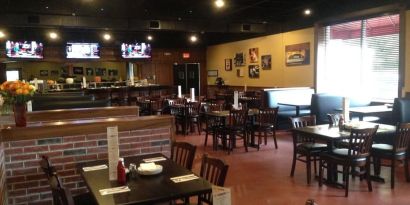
(341, 123)
(121, 177)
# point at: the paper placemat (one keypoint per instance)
(94, 168)
(114, 190)
(184, 178)
(154, 159)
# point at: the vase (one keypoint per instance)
(20, 115)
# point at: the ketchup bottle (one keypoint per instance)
(121, 177)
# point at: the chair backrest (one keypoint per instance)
(334, 119)
(192, 108)
(183, 154)
(303, 121)
(360, 141)
(46, 166)
(213, 170)
(268, 116)
(61, 195)
(238, 117)
(402, 139)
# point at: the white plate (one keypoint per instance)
(153, 172)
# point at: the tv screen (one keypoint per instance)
(83, 50)
(24, 49)
(136, 50)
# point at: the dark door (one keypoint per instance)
(180, 77)
(193, 77)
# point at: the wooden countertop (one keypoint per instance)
(39, 130)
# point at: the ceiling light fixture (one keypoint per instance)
(53, 35)
(149, 37)
(107, 36)
(307, 12)
(2, 34)
(193, 38)
(219, 3)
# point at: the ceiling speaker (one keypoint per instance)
(154, 25)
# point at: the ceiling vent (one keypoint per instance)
(33, 19)
(246, 27)
(154, 25)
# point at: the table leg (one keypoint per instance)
(297, 111)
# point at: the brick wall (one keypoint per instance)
(2, 176)
(26, 182)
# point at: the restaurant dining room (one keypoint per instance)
(223, 102)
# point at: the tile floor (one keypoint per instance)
(262, 177)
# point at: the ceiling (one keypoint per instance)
(128, 18)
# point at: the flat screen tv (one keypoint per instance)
(24, 49)
(82, 50)
(136, 50)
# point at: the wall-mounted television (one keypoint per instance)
(24, 49)
(136, 50)
(82, 50)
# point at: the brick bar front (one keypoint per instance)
(25, 181)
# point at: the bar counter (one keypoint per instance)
(68, 142)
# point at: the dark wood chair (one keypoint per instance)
(215, 171)
(304, 147)
(46, 166)
(183, 154)
(62, 195)
(211, 123)
(236, 129)
(397, 151)
(356, 155)
(193, 115)
(118, 96)
(144, 105)
(266, 124)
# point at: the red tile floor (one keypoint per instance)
(262, 177)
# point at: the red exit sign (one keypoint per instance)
(186, 55)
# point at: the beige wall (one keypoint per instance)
(33, 68)
(279, 75)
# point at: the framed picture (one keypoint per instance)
(54, 72)
(266, 62)
(239, 59)
(297, 54)
(253, 71)
(43, 72)
(112, 72)
(78, 71)
(212, 73)
(100, 71)
(89, 71)
(228, 64)
(253, 55)
(239, 72)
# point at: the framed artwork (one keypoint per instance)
(266, 62)
(78, 71)
(112, 72)
(212, 73)
(297, 54)
(239, 59)
(89, 71)
(43, 72)
(253, 71)
(54, 73)
(253, 55)
(239, 72)
(228, 64)
(100, 71)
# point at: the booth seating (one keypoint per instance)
(324, 103)
(52, 102)
(401, 110)
(271, 98)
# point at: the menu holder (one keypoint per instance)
(221, 195)
(113, 151)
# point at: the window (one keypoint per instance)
(360, 58)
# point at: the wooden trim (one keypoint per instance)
(83, 127)
(402, 52)
(82, 113)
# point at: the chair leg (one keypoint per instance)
(274, 139)
(245, 141)
(321, 172)
(346, 176)
(392, 170)
(308, 168)
(206, 138)
(406, 169)
(292, 172)
(369, 181)
(376, 166)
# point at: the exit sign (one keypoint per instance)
(186, 55)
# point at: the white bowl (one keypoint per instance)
(69, 80)
(150, 172)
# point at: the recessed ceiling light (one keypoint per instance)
(149, 37)
(102, 9)
(307, 12)
(53, 35)
(219, 3)
(193, 38)
(46, 7)
(107, 36)
(73, 14)
(2, 34)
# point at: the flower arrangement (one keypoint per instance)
(16, 92)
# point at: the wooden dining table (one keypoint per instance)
(330, 135)
(144, 189)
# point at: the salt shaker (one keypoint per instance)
(133, 171)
